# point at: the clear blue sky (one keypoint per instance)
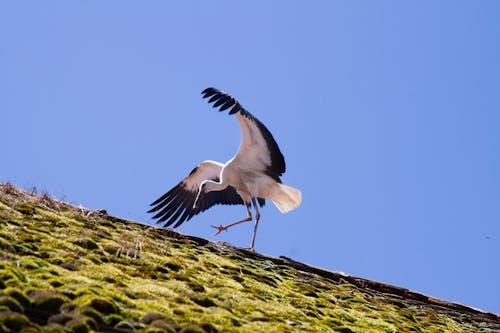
(387, 112)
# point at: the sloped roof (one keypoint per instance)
(68, 267)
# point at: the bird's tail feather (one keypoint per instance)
(286, 198)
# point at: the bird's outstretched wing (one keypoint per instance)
(258, 149)
(177, 204)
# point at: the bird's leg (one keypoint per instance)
(221, 228)
(257, 218)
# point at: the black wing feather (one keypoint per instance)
(215, 97)
(224, 101)
(228, 104)
(221, 100)
(176, 206)
(236, 108)
(209, 92)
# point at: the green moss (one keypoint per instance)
(125, 324)
(153, 330)
(192, 329)
(27, 208)
(203, 301)
(149, 317)
(30, 329)
(356, 300)
(60, 318)
(69, 261)
(101, 304)
(11, 303)
(164, 326)
(343, 329)
(196, 286)
(67, 307)
(89, 321)
(113, 319)
(87, 244)
(56, 283)
(208, 328)
(13, 321)
(49, 301)
(10, 274)
(77, 326)
(90, 312)
(52, 328)
(25, 248)
(173, 266)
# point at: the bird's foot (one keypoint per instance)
(219, 228)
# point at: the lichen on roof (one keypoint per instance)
(68, 269)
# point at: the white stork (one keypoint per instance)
(248, 178)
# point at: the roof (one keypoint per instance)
(67, 266)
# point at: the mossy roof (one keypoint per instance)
(68, 269)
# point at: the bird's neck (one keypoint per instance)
(215, 186)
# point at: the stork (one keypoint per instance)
(248, 178)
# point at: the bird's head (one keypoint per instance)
(206, 186)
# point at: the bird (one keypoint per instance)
(248, 178)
